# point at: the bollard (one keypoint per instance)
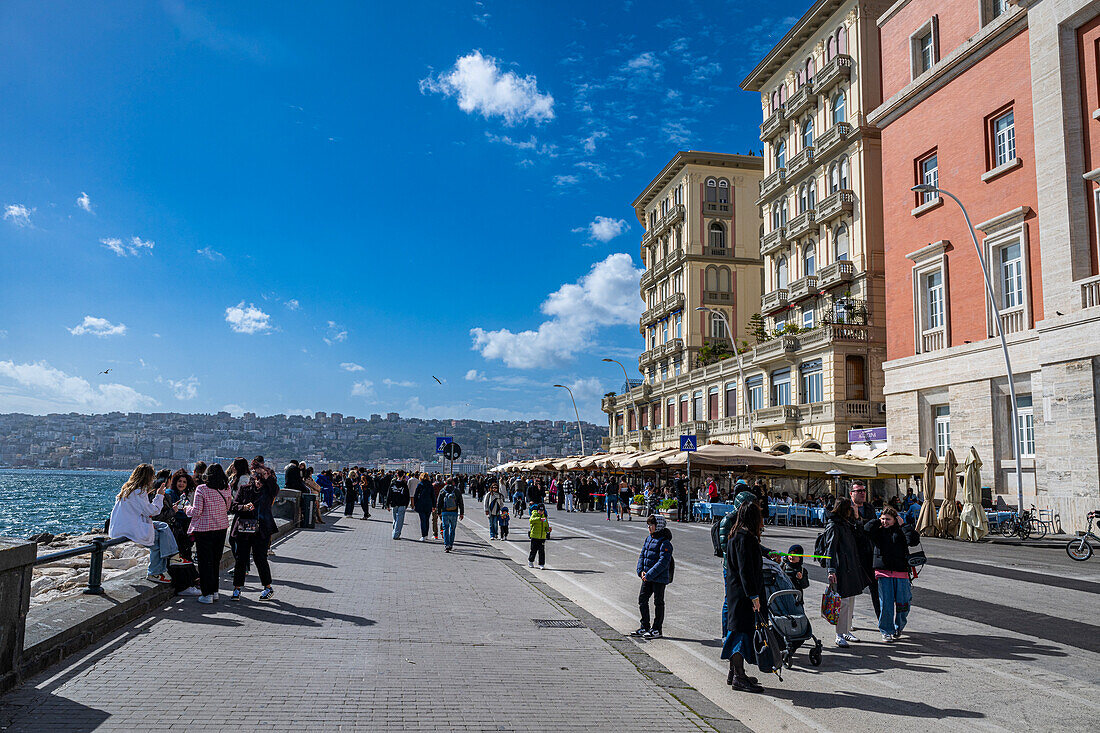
(95, 570)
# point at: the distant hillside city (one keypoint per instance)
(122, 440)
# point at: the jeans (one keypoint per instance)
(494, 520)
(844, 617)
(256, 543)
(164, 546)
(425, 520)
(612, 505)
(657, 590)
(435, 524)
(569, 503)
(450, 521)
(895, 595)
(398, 520)
(538, 548)
(725, 601)
(208, 556)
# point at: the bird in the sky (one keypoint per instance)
(105, 371)
(436, 378)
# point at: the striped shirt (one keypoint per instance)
(210, 510)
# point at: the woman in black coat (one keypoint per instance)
(254, 489)
(845, 567)
(744, 594)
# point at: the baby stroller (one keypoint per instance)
(787, 616)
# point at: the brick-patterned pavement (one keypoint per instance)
(364, 633)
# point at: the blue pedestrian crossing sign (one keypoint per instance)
(441, 442)
(688, 443)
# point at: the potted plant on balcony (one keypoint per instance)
(712, 351)
(758, 328)
(637, 504)
(667, 508)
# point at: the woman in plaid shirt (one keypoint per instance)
(209, 521)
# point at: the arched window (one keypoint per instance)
(783, 212)
(830, 49)
(712, 279)
(781, 448)
(717, 326)
(834, 178)
(840, 113)
(776, 222)
(808, 134)
(840, 239)
(803, 198)
(723, 191)
(697, 405)
(841, 40)
(775, 100)
(780, 155)
(801, 77)
(811, 194)
(844, 173)
(809, 68)
(812, 445)
(809, 260)
(724, 282)
(782, 93)
(712, 190)
(781, 273)
(717, 235)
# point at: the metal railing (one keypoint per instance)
(95, 569)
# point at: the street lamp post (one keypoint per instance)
(928, 188)
(629, 391)
(579, 431)
(740, 368)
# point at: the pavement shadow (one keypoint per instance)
(297, 561)
(30, 710)
(865, 703)
(576, 571)
(276, 612)
(304, 586)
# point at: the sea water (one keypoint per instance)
(33, 501)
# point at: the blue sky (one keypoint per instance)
(290, 207)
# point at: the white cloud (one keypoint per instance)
(336, 334)
(131, 248)
(475, 376)
(101, 327)
(590, 141)
(350, 366)
(40, 388)
(677, 133)
(18, 215)
(211, 254)
(364, 388)
(465, 411)
(481, 86)
(645, 64)
(606, 296)
(398, 383)
(293, 304)
(234, 409)
(531, 144)
(84, 202)
(482, 19)
(567, 180)
(603, 229)
(707, 70)
(184, 389)
(247, 319)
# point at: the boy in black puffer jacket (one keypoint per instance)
(655, 569)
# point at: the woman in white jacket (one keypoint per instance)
(132, 518)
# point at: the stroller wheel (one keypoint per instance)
(815, 656)
(789, 661)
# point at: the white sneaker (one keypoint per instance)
(850, 637)
(841, 642)
(192, 591)
(215, 596)
(206, 599)
(889, 638)
(542, 567)
(530, 563)
(423, 539)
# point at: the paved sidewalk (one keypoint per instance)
(364, 633)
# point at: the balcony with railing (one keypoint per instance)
(717, 208)
(933, 339)
(805, 287)
(832, 333)
(831, 140)
(673, 346)
(801, 225)
(779, 348)
(773, 301)
(801, 160)
(772, 125)
(773, 241)
(717, 298)
(772, 184)
(770, 417)
(1090, 292)
(835, 273)
(832, 73)
(670, 217)
(800, 101)
(835, 204)
(1013, 321)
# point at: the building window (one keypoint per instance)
(664, 331)
(712, 190)
(923, 47)
(678, 194)
(664, 371)
(1004, 139)
(717, 326)
(993, 9)
(717, 235)
(840, 114)
(652, 336)
(856, 376)
(697, 405)
(830, 49)
(679, 326)
(755, 386)
(809, 260)
(942, 417)
(781, 387)
(928, 173)
(1025, 426)
(712, 404)
(676, 367)
(775, 217)
(841, 40)
(808, 134)
(781, 272)
(803, 199)
(1012, 276)
(731, 399)
(678, 282)
(927, 52)
(725, 280)
(811, 387)
(844, 182)
(684, 406)
(840, 238)
(811, 194)
(808, 317)
(670, 412)
(934, 302)
(723, 191)
(809, 69)
(780, 155)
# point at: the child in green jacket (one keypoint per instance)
(539, 533)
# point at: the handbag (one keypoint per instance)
(917, 558)
(769, 657)
(248, 526)
(830, 605)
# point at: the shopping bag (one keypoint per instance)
(830, 605)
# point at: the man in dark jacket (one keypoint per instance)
(451, 509)
(654, 568)
(423, 499)
(864, 513)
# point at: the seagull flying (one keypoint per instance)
(105, 371)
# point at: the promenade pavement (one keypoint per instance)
(365, 633)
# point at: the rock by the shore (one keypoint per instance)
(69, 577)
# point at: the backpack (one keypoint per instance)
(450, 501)
(671, 569)
(714, 538)
(819, 549)
(398, 496)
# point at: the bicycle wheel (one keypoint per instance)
(1039, 529)
(1008, 527)
(1079, 549)
(1023, 530)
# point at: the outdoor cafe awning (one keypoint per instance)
(724, 456)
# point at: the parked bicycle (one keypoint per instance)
(1079, 548)
(1024, 525)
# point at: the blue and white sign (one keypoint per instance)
(441, 442)
(868, 435)
(688, 443)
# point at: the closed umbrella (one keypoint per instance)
(973, 524)
(949, 513)
(926, 522)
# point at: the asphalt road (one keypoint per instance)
(1000, 637)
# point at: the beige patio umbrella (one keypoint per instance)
(590, 461)
(898, 465)
(973, 524)
(948, 518)
(718, 455)
(655, 459)
(926, 522)
(618, 459)
(811, 461)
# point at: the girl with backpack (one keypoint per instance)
(250, 535)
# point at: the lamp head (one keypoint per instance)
(609, 360)
(924, 188)
(702, 308)
(561, 385)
